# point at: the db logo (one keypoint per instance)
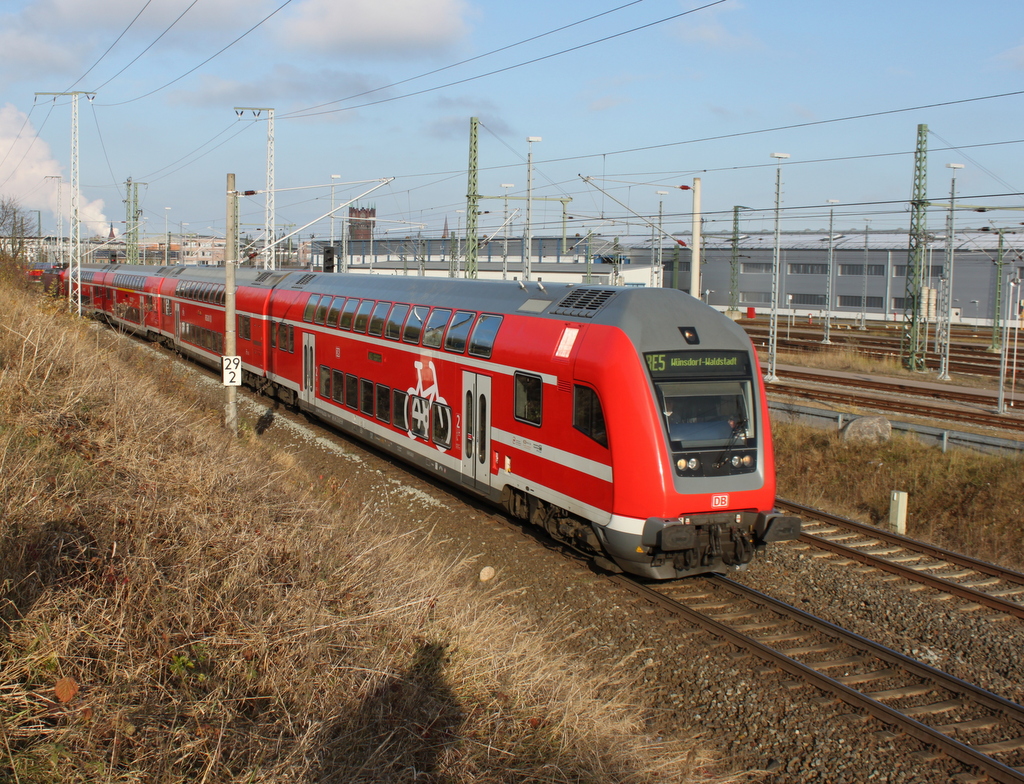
(719, 501)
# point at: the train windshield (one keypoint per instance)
(701, 414)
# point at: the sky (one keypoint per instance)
(630, 101)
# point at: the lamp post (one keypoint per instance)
(333, 184)
(504, 244)
(947, 336)
(528, 241)
(167, 238)
(828, 282)
(773, 332)
(658, 273)
(1014, 281)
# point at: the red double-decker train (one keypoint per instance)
(627, 422)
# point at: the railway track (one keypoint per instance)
(896, 397)
(952, 717)
(978, 582)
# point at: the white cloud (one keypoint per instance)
(376, 27)
(23, 171)
(1014, 58)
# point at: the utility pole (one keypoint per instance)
(913, 343)
(75, 275)
(60, 215)
(131, 223)
(695, 242)
(773, 330)
(528, 240)
(230, 327)
(734, 263)
(997, 337)
(827, 340)
(472, 201)
(945, 328)
(269, 230)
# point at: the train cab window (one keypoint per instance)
(311, 304)
(380, 313)
(482, 340)
(337, 386)
(334, 313)
(366, 396)
(245, 327)
(362, 316)
(435, 327)
(393, 330)
(325, 382)
(351, 391)
(348, 312)
(700, 414)
(414, 324)
(528, 398)
(441, 425)
(383, 403)
(398, 408)
(455, 340)
(587, 416)
(320, 315)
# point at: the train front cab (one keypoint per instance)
(695, 492)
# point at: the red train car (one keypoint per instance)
(631, 423)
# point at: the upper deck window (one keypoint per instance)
(455, 340)
(435, 327)
(482, 340)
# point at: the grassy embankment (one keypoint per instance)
(175, 608)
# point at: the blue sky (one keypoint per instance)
(642, 97)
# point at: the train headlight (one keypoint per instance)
(736, 461)
(689, 465)
(748, 461)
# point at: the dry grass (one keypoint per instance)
(962, 500)
(174, 609)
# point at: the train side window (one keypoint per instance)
(414, 324)
(383, 403)
(348, 312)
(311, 304)
(366, 396)
(455, 340)
(335, 311)
(399, 407)
(168, 306)
(528, 399)
(291, 338)
(337, 386)
(419, 422)
(393, 330)
(481, 342)
(441, 425)
(587, 415)
(325, 382)
(273, 335)
(351, 391)
(362, 316)
(321, 310)
(435, 327)
(380, 313)
(245, 327)
(282, 336)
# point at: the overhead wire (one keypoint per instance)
(110, 48)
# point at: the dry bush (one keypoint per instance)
(175, 609)
(965, 501)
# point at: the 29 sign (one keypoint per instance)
(231, 368)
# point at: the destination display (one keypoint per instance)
(676, 364)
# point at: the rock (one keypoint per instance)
(487, 574)
(867, 429)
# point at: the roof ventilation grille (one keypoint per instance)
(583, 302)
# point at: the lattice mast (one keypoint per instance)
(472, 200)
(913, 344)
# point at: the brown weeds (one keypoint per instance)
(175, 609)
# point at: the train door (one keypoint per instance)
(476, 430)
(307, 391)
(177, 323)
